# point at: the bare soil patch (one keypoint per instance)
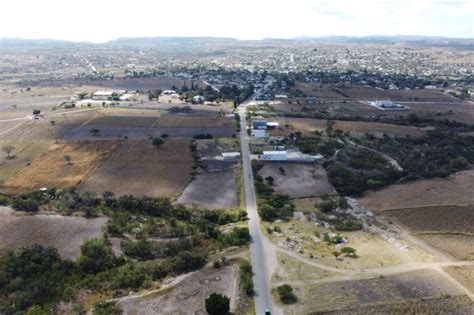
(454, 190)
(355, 128)
(63, 233)
(436, 218)
(187, 297)
(50, 169)
(299, 180)
(212, 189)
(136, 167)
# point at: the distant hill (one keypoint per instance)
(429, 41)
(174, 41)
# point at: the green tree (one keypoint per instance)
(96, 256)
(94, 131)
(217, 304)
(36, 112)
(349, 251)
(157, 142)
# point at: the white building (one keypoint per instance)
(259, 133)
(102, 95)
(273, 124)
(274, 156)
(229, 156)
(168, 92)
(198, 99)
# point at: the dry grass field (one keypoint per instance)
(355, 128)
(23, 154)
(50, 169)
(459, 246)
(64, 233)
(299, 180)
(188, 296)
(375, 292)
(447, 219)
(360, 92)
(136, 167)
(455, 190)
(463, 274)
(460, 305)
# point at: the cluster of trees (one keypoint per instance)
(271, 206)
(438, 154)
(203, 136)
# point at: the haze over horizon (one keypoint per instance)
(107, 20)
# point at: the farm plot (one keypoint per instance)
(214, 188)
(136, 167)
(22, 154)
(63, 233)
(446, 219)
(297, 180)
(188, 296)
(113, 127)
(455, 190)
(355, 128)
(65, 164)
(189, 126)
(459, 246)
(338, 295)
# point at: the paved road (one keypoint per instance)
(261, 278)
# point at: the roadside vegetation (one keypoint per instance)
(158, 240)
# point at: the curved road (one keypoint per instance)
(261, 276)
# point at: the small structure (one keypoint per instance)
(198, 99)
(168, 92)
(273, 124)
(387, 105)
(230, 156)
(274, 156)
(259, 133)
(259, 124)
(102, 95)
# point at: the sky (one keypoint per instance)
(104, 20)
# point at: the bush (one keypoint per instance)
(217, 304)
(186, 261)
(130, 276)
(246, 282)
(33, 277)
(327, 205)
(96, 256)
(286, 294)
(107, 308)
(203, 136)
(4, 200)
(237, 237)
(157, 142)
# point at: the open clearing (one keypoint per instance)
(360, 92)
(436, 218)
(355, 128)
(50, 169)
(64, 233)
(188, 296)
(459, 246)
(463, 274)
(299, 180)
(215, 188)
(460, 305)
(136, 167)
(454, 190)
(358, 293)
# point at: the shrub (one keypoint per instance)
(217, 304)
(246, 281)
(96, 256)
(107, 308)
(157, 142)
(130, 276)
(286, 294)
(327, 205)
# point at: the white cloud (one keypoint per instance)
(102, 20)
